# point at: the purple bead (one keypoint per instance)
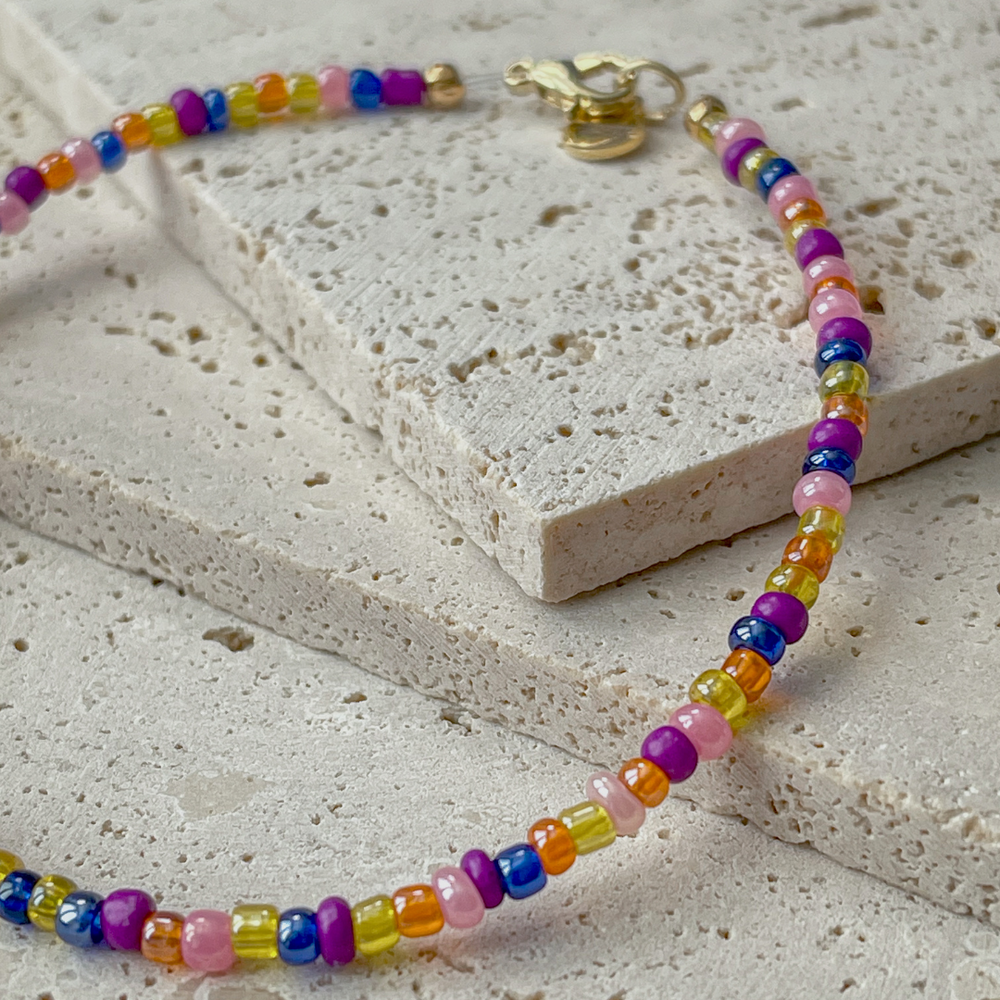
(335, 930)
(26, 182)
(485, 877)
(122, 914)
(783, 611)
(845, 328)
(192, 116)
(815, 243)
(731, 157)
(842, 434)
(402, 86)
(672, 752)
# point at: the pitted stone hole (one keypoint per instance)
(21, 645)
(317, 479)
(855, 630)
(234, 639)
(735, 594)
(843, 16)
(869, 296)
(564, 430)
(551, 215)
(354, 698)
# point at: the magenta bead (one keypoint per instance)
(833, 304)
(822, 268)
(207, 941)
(821, 489)
(122, 914)
(85, 159)
(26, 182)
(460, 901)
(192, 115)
(334, 88)
(672, 752)
(706, 727)
(794, 187)
(838, 433)
(735, 130)
(335, 930)
(847, 327)
(480, 868)
(731, 158)
(14, 214)
(815, 243)
(626, 811)
(402, 87)
(785, 612)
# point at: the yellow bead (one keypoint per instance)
(46, 897)
(794, 232)
(843, 378)
(750, 166)
(375, 926)
(163, 125)
(589, 825)
(703, 118)
(303, 93)
(9, 863)
(795, 580)
(718, 689)
(255, 931)
(823, 521)
(242, 99)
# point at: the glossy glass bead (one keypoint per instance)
(57, 172)
(798, 229)
(730, 160)
(334, 88)
(823, 489)
(816, 243)
(589, 825)
(795, 580)
(554, 845)
(760, 635)
(626, 811)
(800, 210)
(718, 689)
(460, 901)
(242, 100)
(29, 185)
(772, 172)
(647, 782)
(84, 158)
(9, 862)
(418, 912)
(298, 937)
(161, 938)
(15, 894)
(847, 406)
(786, 612)
(49, 891)
(133, 129)
(521, 871)
(402, 87)
(272, 93)
(839, 350)
(111, 149)
(751, 165)
(366, 89)
(836, 283)
(813, 552)
(480, 868)
(303, 93)
(825, 522)
(375, 928)
(255, 931)
(672, 752)
(216, 110)
(122, 915)
(335, 930)
(705, 727)
(735, 130)
(750, 670)
(845, 328)
(192, 115)
(704, 118)
(14, 216)
(206, 941)
(843, 378)
(78, 919)
(831, 304)
(830, 460)
(823, 268)
(792, 187)
(164, 128)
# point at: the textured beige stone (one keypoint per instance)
(590, 368)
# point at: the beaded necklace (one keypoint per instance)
(601, 124)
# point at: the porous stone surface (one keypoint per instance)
(592, 368)
(152, 740)
(141, 421)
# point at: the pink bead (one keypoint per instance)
(206, 941)
(625, 810)
(85, 159)
(460, 901)
(14, 213)
(822, 268)
(831, 304)
(706, 727)
(823, 489)
(334, 88)
(794, 187)
(735, 130)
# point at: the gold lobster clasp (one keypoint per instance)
(602, 124)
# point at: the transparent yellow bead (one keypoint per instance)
(255, 930)
(823, 521)
(842, 378)
(718, 689)
(795, 580)
(163, 125)
(9, 863)
(242, 100)
(303, 93)
(589, 825)
(703, 118)
(47, 895)
(794, 232)
(375, 926)
(750, 166)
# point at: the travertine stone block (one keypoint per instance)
(592, 368)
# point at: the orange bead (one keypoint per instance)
(418, 912)
(555, 846)
(835, 282)
(272, 93)
(847, 406)
(161, 938)
(647, 782)
(133, 129)
(812, 551)
(56, 171)
(750, 670)
(801, 210)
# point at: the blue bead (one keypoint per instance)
(520, 870)
(771, 173)
(298, 937)
(218, 109)
(840, 349)
(830, 460)
(78, 919)
(366, 89)
(111, 150)
(15, 892)
(760, 635)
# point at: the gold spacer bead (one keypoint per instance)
(444, 87)
(702, 117)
